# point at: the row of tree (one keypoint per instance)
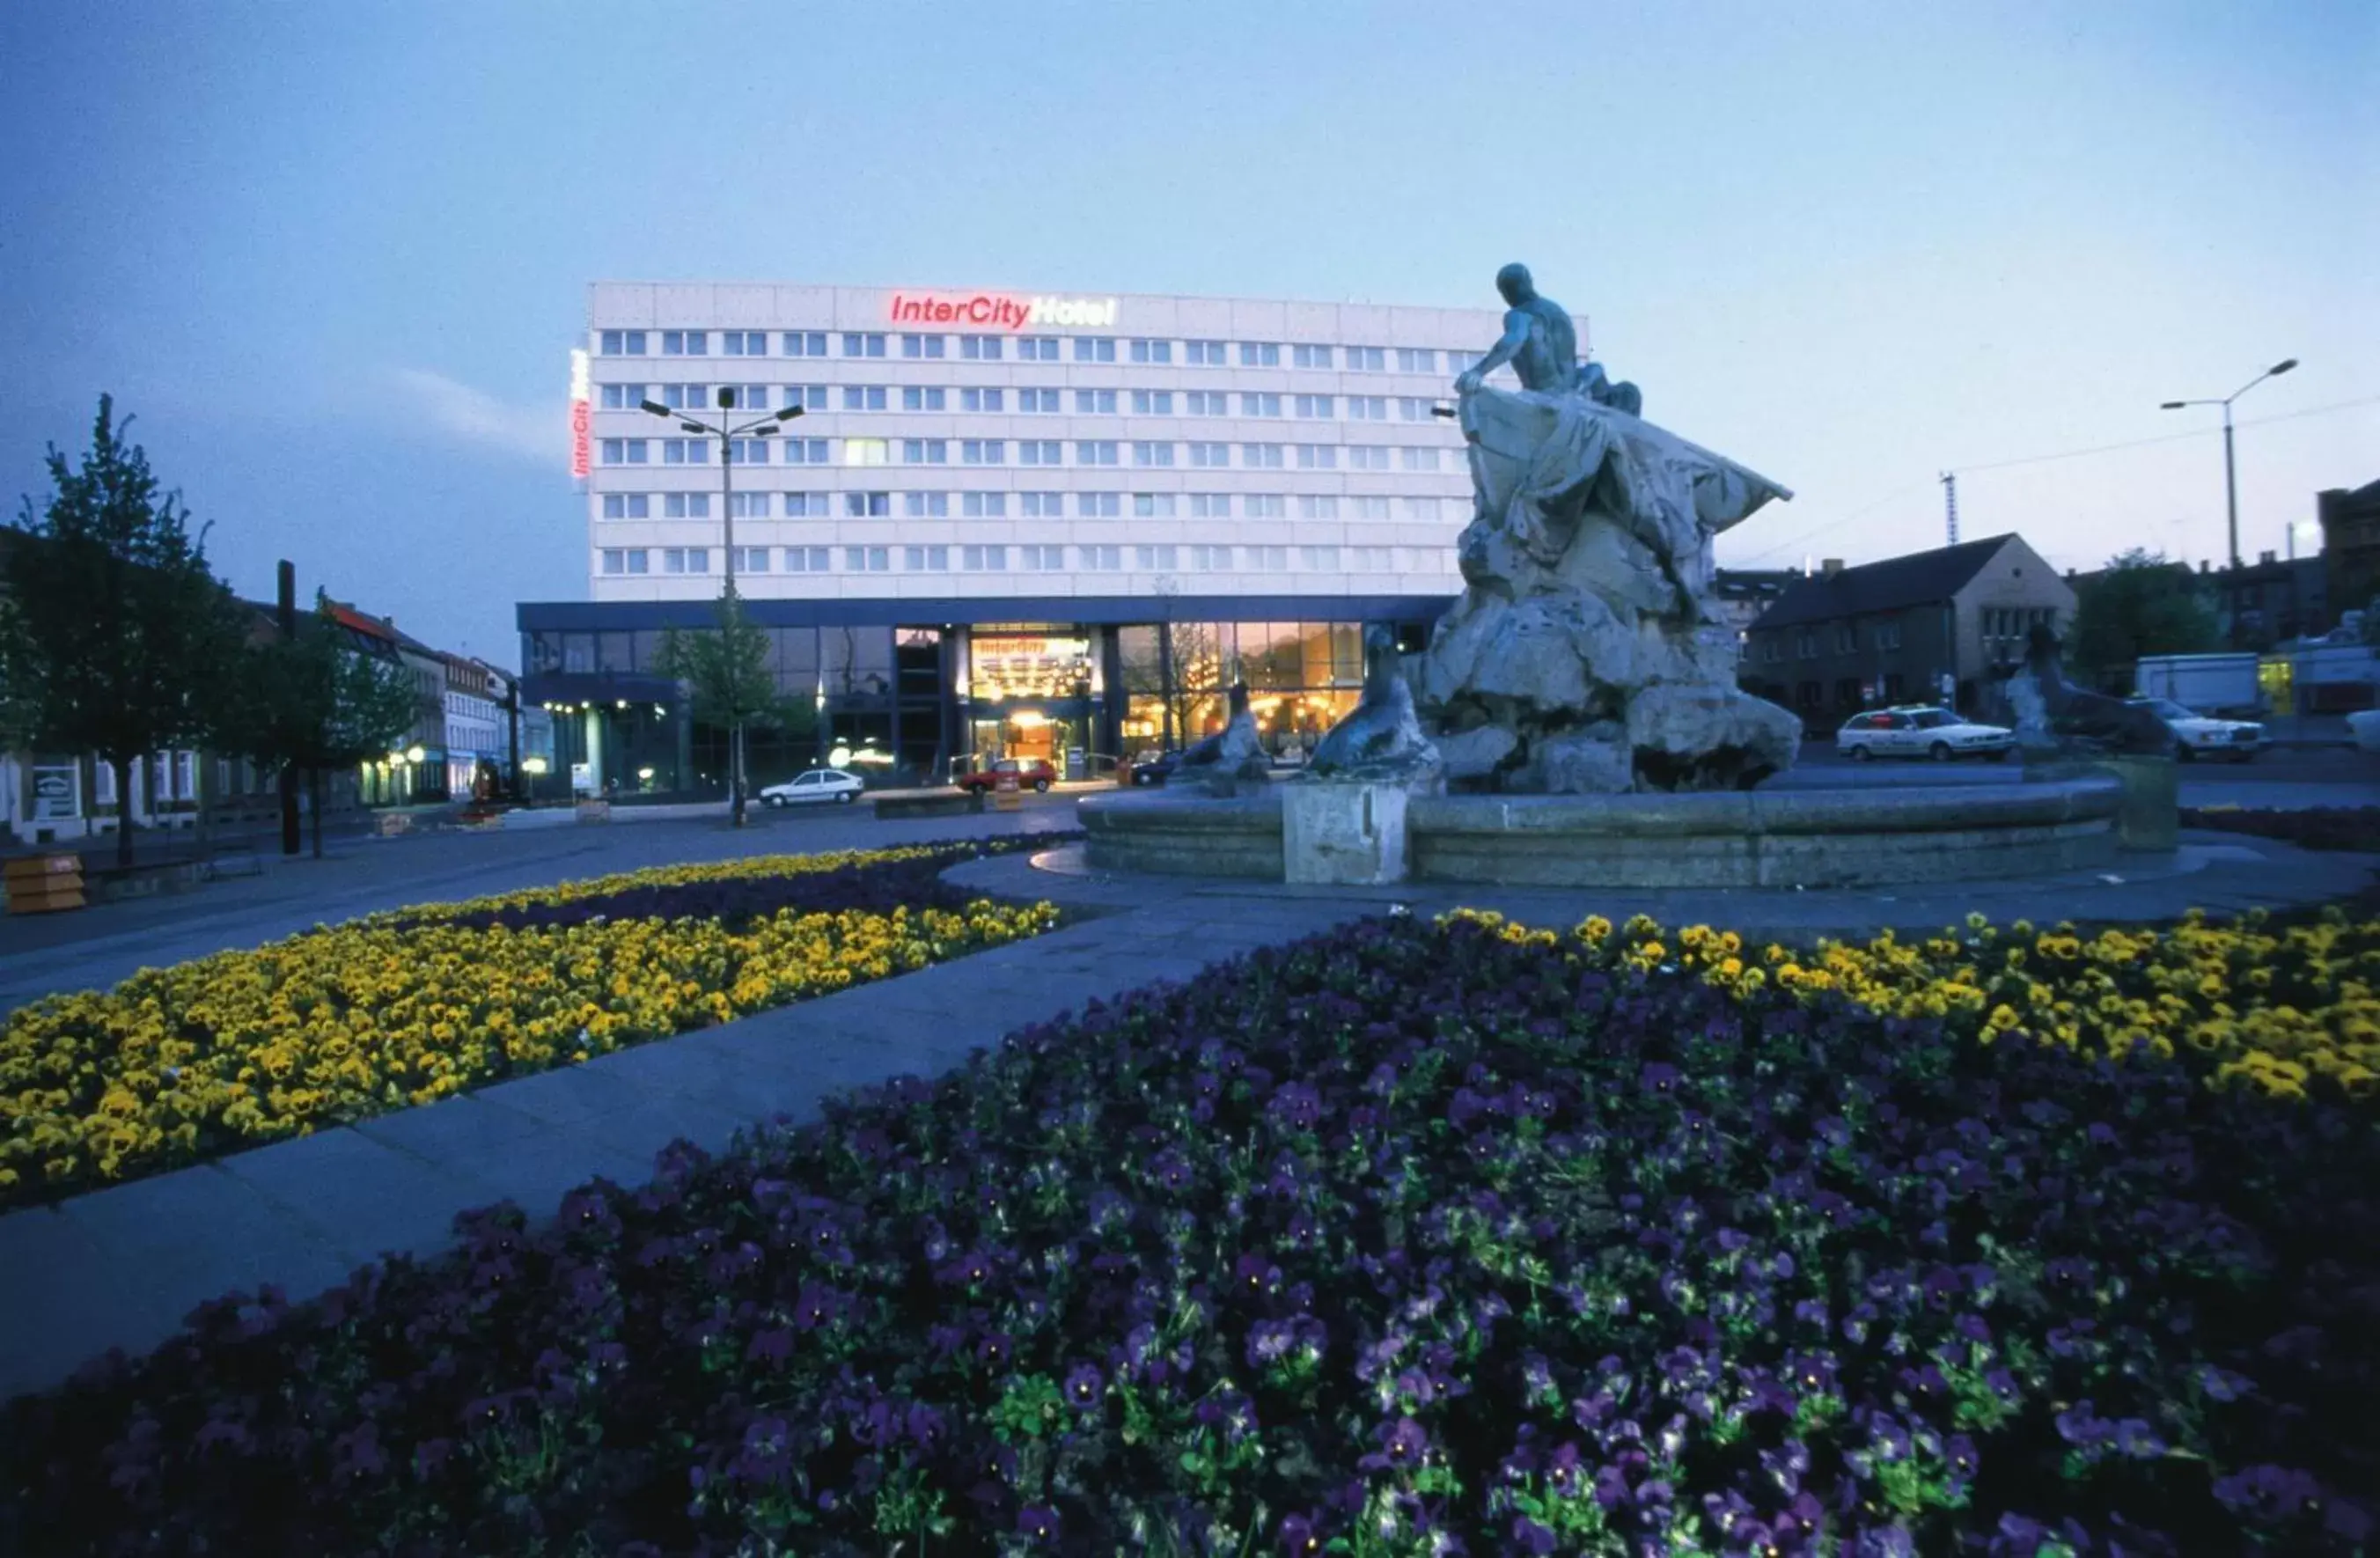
(116, 638)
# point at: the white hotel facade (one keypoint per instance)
(1026, 485)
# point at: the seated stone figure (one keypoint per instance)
(1229, 758)
(2053, 715)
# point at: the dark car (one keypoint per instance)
(1155, 769)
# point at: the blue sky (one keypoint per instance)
(334, 257)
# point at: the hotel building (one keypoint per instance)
(1003, 524)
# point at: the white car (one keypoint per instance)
(819, 785)
(1922, 733)
(2195, 735)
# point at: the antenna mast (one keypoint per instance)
(1950, 503)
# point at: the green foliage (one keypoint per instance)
(318, 701)
(2142, 606)
(725, 670)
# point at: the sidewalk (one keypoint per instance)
(120, 1268)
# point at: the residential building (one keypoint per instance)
(2351, 546)
(1925, 627)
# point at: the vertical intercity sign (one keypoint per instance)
(582, 445)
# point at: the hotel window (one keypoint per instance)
(1318, 456)
(1261, 456)
(810, 397)
(926, 505)
(806, 559)
(615, 561)
(983, 400)
(984, 451)
(685, 343)
(1095, 348)
(685, 559)
(1203, 354)
(924, 451)
(748, 506)
(1210, 456)
(1369, 559)
(1037, 400)
(687, 506)
(1102, 559)
(1421, 459)
(626, 506)
(1265, 505)
(1094, 402)
(682, 397)
(1313, 507)
(1152, 505)
(748, 398)
(1152, 351)
(1207, 403)
(1152, 403)
(746, 451)
(1157, 559)
(1268, 559)
(1318, 559)
(749, 559)
(685, 451)
(1037, 348)
(623, 397)
(984, 559)
(623, 451)
(925, 559)
(1259, 354)
(1037, 451)
(1210, 559)
(1098, 505)
(867, 559)
(1314, 406)
(1096, 450)
(863, 346)
(1152, 454)
(984, 506)
(863, 397)
(805, 451)
(867, 505)
(922, 397)
(807, 505)
(1367, 456)
(1042, 559)
(979, 348)
(1040, 505)
(1210, 505)
(1416, 359)
(1254, 404)
(623, 343)
(1422, 508)
(744, 343)
(1370, 507)
(1367, 408)
(921, 346)
(803, 343)
(1368, 360)
(1414, 407)
(1310, 356)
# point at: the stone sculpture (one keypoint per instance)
(1231, 759)
(2053, 717)
(1587, 653)
(1381, 741)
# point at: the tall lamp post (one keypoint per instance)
(759, 427)
(2230, 478)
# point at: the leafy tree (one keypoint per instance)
(319, 703)
(119, 632)
(728, 682)
(2142, 604)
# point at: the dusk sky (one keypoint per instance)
(334, 257)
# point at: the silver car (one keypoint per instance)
(818, 786)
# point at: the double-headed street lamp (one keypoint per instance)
(759, 427)
(2230, 478)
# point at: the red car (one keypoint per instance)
(1033, 774)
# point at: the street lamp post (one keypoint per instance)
(2230, 477)
(759, 427)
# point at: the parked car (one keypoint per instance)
(1155, 767)
(2364, 728)
(2196, 735)
(1035, 773)
(817, 787)
(1922, 732)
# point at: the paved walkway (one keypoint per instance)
(120, 1268)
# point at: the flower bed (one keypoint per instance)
(2321, 827)
(225, 1053)
(1410, 1240)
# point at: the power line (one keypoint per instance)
(1832, 524)
(2172, 437)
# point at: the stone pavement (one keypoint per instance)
(122, 1266)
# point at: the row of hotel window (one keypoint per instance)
(1153, 454)
(1025, 505)
(1002, 399)
(1034, 348)
(1036, 558)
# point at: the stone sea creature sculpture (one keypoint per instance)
(2052, 715)
(1230, 760)
(1383, 740)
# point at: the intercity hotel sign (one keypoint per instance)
(582, 451)
(1000, 312)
